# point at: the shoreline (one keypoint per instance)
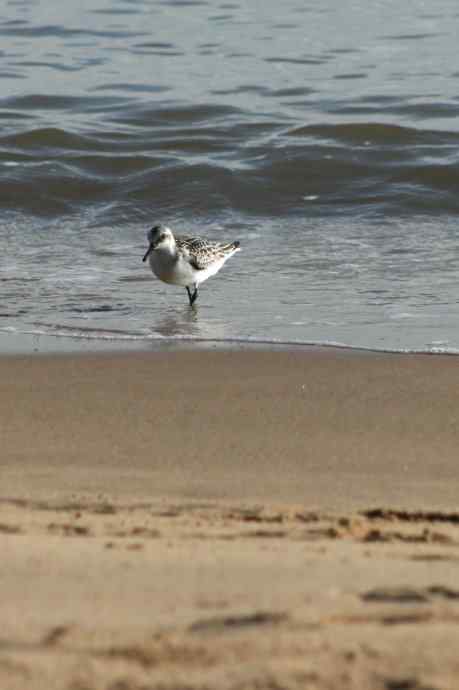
(12, 344)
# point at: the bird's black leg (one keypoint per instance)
(192, 295)
(195, 294)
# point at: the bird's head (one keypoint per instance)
(158, 236)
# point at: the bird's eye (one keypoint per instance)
(162, 237)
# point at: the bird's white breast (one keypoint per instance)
(171, 269)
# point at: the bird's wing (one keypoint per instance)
(200, 253)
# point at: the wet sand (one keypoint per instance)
(229, 520)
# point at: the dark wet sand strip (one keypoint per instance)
(335, 430)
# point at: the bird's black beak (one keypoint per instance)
(149, 250)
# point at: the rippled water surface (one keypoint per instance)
(323, 135)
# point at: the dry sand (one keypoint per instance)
(257, 519)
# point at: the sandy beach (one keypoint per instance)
(229, 519)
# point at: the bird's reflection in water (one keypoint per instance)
(180, 322)
(188, 323)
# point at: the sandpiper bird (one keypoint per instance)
(185, 261)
